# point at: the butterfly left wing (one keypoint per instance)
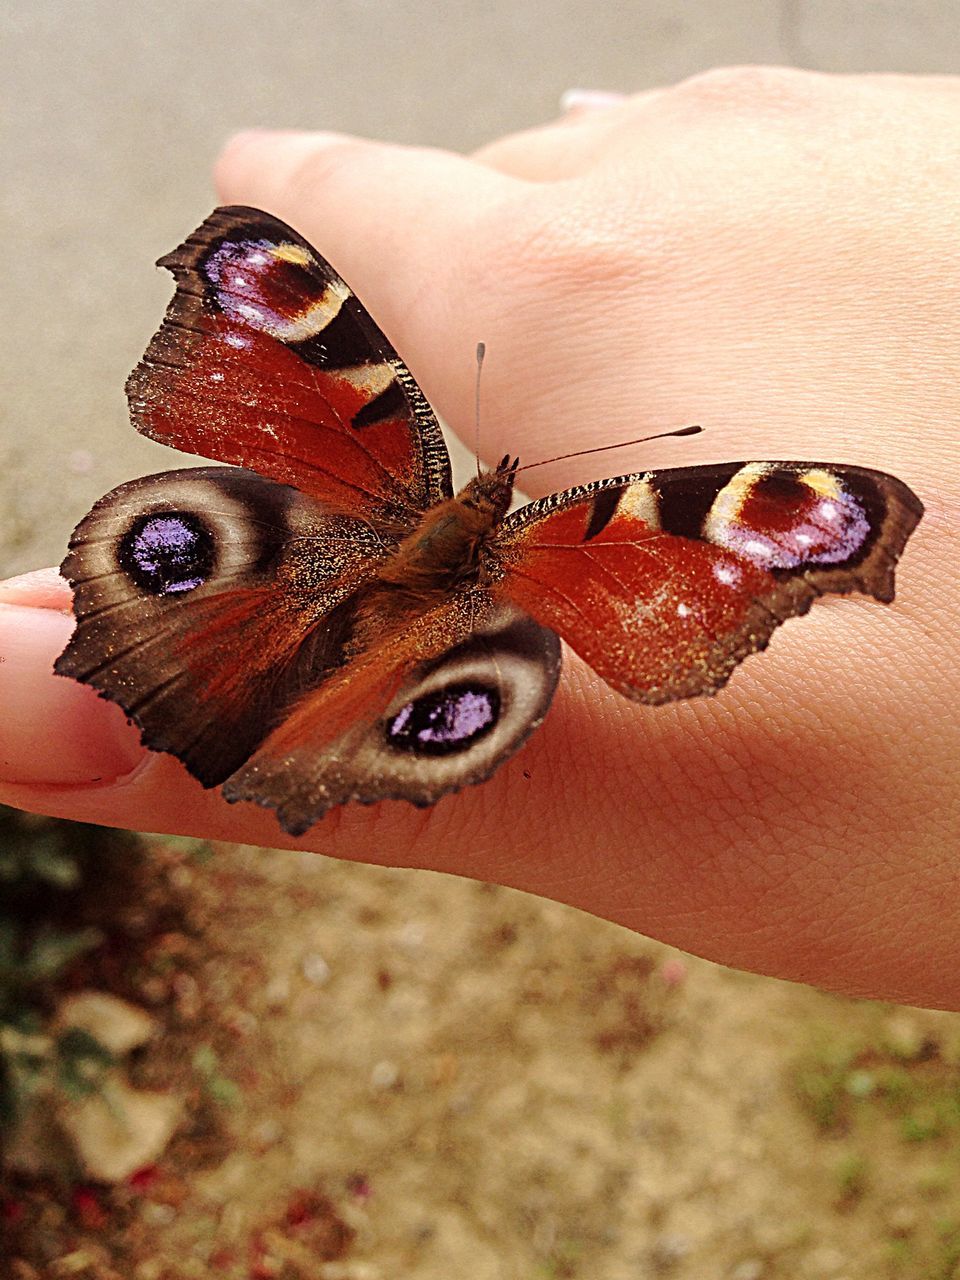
(664, 582)
(267, 359)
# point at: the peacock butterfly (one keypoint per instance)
(326, 621)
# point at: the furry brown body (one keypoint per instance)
(444, 553)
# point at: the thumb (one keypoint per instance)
(405, 226)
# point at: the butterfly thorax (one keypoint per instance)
(444, 552)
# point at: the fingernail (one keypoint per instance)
(589, 99)
(53, 731)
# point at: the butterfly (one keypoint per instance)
(324, 620)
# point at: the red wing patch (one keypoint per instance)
(267, 360)
(308, 763)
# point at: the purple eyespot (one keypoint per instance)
(168, 553)
(449, 720)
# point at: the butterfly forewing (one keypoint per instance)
(664, 582)
(207, 601)
(266, 359)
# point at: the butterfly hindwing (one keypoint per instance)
(664, 582)
(266, 359)
(439, 707)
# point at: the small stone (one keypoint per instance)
(267, 1134)
(149, 1269)
(118, 1025)
(118, 1130)
(154, 989)
(180, 877)
(276, 993)
(902, 1220)
(904, 1035)
(823, 1262)
(413, 934)
(673, 973)
(749, 1269)
(241, 1022)
(668, 1252)
(157, 1215)
(71, 1264)
(186, 993)
(315, 969)
(384, 1075)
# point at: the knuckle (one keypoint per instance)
(750, 87)
(328, 161)
(563, 247)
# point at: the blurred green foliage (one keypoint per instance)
(45, 866)
(839, 1085)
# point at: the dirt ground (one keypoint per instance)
(413, 1076)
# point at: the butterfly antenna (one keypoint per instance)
(481, 352)
(603, 448)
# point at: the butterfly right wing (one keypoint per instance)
(433, 708)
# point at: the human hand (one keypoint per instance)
(769, 253)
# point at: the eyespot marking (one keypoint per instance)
(784, 520)
(167, 553)
(254, 281)
(445, 721)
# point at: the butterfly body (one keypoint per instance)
(324, 620)
(450, 547)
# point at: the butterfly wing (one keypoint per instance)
(266, 359)
(207, 601)
(436, 708)
(664, 582)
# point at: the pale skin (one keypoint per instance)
(770, 253)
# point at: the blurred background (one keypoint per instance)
(368, 1073)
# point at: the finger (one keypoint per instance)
(574, 100)
(41, 589)
(389, 218)
(66, 752)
